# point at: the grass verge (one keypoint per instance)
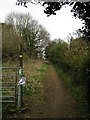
(34, 80)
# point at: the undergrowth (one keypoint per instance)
(34, 82)
(34, 71)
(77, 91)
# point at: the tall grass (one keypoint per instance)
(34, 71)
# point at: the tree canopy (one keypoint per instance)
(79, 9)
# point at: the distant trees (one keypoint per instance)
(34, 36)
(56, 52)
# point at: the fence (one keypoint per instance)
(8, 86)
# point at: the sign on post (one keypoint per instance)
(22, 81)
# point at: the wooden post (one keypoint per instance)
(20, 88)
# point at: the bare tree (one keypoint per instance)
(35, 36)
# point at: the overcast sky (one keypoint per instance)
(59, 25)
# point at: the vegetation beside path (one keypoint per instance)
(44, 94)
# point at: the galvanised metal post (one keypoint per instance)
(20, 88)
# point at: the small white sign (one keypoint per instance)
(22, 81)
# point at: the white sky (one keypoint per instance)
(59, 25)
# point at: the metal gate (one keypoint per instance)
(8, 86)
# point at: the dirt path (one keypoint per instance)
(53, 102)
(57, 101)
